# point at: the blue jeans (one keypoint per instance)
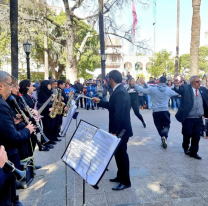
(176, 102)
(90, 101)
(105, 98)
(149, 101)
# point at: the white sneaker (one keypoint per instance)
(164, 142)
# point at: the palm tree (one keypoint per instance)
(195, 38)
(177, 38)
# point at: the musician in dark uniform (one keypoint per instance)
(119, 119)
(5, 180)
(59, 118)
(26, 89)
(9, 136)
(24, 148)
(44, 94)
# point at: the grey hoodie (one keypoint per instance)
(160, 95)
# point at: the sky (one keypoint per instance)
(166, 17)
(166, 21)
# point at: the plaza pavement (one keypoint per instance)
(160, 177)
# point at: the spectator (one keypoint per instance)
(150, 83)
(105, 90)
(128, 75)
(79, 89)
(68, 89)
(94, 83)
(99, 91)
(85, 92)
(176, 99)
(164, 74)
(90, 93)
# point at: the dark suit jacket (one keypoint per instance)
(187, 101)
(2, 178)
(119, 112)
(9, 136)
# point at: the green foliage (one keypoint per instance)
(184, 61)
(141, 75)
(161, 62)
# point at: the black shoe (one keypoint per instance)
(52, 142)
(144, 124)
(44, 149)
(37, 167)
(16, 201)
(164, 142)
(187, 152)
(88, 107)
(121, 187)
(93, 108)
(196, 156)
(58, 140)
(114, 180)
(49, 146)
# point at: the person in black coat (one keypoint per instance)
(5, 180)
(9, 136)
(119, 119)
(26, 89)
(133, 93)
(44, 94)
(79, 89)
(194, 105)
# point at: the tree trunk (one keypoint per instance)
(14, 36)
(177, 38)
(195, 38)
(60, 71)
(46, 45)
(71, 63)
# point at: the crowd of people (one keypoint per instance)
(22, 128)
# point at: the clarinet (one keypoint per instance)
(24, 118)
(9, 166)
(46, 140)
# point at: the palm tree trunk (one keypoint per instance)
(177, 38)
(14, 36)
(195, 38)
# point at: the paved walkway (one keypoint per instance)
(160, 177)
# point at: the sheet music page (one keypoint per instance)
(89, 151)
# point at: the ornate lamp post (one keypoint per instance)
(27, 49)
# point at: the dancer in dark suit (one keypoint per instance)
(119, 119)
(194, 105)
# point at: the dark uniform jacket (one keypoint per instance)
(119, 112)
(78, 87)
(9, 136)
(187, 101)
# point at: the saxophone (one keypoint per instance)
(71, 95)
(54, 112)
(61, 104)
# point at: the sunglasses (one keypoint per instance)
(198, 81)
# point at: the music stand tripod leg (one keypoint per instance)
(84, 193)
(66, 184)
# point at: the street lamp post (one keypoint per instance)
(103, 59)
(27, 49)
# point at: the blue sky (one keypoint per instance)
(166, 14)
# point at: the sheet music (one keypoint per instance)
(90, 151)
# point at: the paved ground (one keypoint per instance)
(159, 177)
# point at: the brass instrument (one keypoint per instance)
(61, 104)
(71, 95)
(54, 112)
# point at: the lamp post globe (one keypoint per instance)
(27, 48)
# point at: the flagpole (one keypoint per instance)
(154, 23)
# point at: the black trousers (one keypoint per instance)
(122, 162)
(162, 122)
(135, 107)
(81, 102)
(191, 128)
